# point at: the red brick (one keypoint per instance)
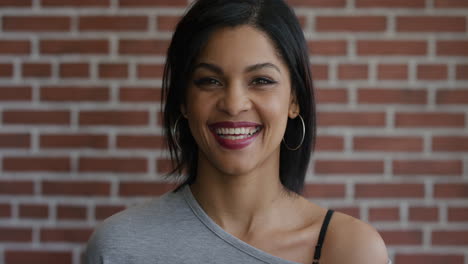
(5, 210)
(391, 96)
(349, 167)
(6, 70)
(150, 71)
(79, 46)
(74, 70)
(71, 235)
(401, 237)
(26, 257)
(74, 94)
(104, 211)
(15, 234)
(71, 212)
(428, 258)
(15, 3)
(143, 47)
(358, 119)
(459, 96)
(16, 187)
(384, 214)
(113, 70)
(36, 117)
(37, 211)
(167, 23)
(458, 214)
(432, 72)
(450, 238)
(389, 190)
(462, 72)
(324, 190)
(450, 143)
(423, 214)
(140, 142)
(139, 94)
(430, 24)
(451, 190)
(113, 164)
(450, 3)
(331, 96)
(75, 3)
(350, 23)
(429, 120)
(328, 47)
(352, 211)
(113, 23)
(319, 72)
(164, 166)
(116, 118)
(317, 3)
(391, 3)
(73, 141)
(452, 48)
(388, 143)
(392, 72)
(353, 71)
(152, 3)
(76, 188)
(428, 167)
(144, 188)
(37, 70)
(391, 47)
(36, 23)
(329, 143)
(15, 47)
(16, 93)
(35, 164)
(14, 140)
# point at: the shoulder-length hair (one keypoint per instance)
(278, 21)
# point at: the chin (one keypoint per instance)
(234, 168)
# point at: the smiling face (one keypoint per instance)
(238, 102)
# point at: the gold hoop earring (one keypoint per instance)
(302, 139)
(174, 133)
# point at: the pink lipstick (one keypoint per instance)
(235, 135)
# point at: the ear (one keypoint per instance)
(183, 110)
(294, 110)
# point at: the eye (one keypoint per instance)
(207, 81)
(262, 81)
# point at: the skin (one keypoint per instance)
(240, 189)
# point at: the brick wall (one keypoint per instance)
(80, 135)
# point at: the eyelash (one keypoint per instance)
(212, 81)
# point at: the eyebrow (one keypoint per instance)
(251, 68)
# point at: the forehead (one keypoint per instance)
(241, 46)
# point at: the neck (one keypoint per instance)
(241, 203)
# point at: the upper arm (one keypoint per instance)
(353, 241)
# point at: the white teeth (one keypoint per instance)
(236, 132)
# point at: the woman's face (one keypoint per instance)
(238, 101)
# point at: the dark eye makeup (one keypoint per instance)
(206, 81)
(210, 81)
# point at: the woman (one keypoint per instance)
(240, 121)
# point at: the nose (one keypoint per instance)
(235, 99)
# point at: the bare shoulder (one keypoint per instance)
(350, 240)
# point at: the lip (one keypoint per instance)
(230, 124)
(234, 143)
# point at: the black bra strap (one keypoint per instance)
(323, 231)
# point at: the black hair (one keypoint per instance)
(278, 21)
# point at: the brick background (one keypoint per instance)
(80, 135)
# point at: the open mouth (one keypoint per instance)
(237, 133)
